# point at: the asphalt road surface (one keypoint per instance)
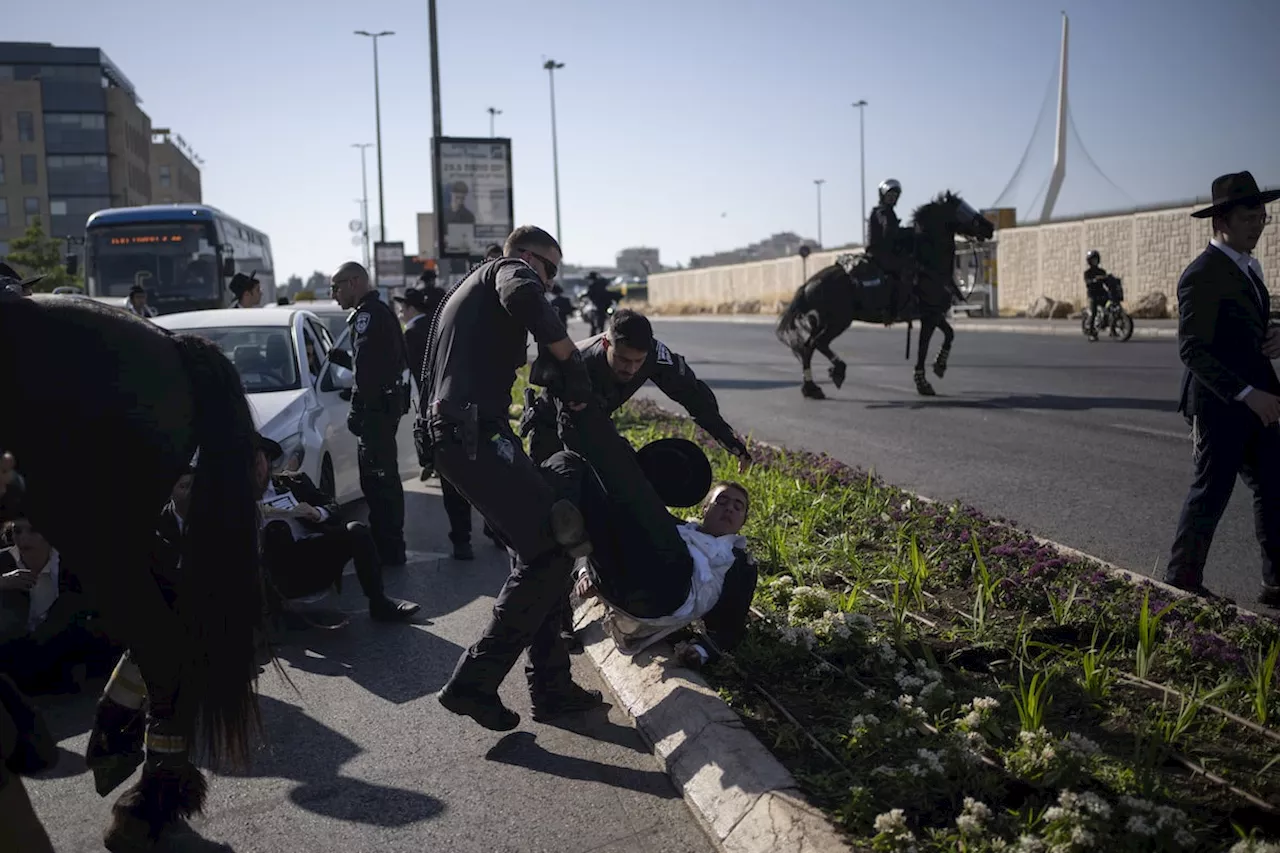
(1076, 442)
(362, 758)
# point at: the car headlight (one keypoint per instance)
(294, 453)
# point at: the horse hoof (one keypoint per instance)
(939, 369)
(812, 391)
(923, 388)
(837, 374)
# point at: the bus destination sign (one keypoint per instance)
(145, 239)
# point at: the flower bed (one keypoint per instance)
(938, 680)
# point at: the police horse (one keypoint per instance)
(103, 412)
(854, 288)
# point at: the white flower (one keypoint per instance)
(894, 822)
(1081, 836)
(1095, 804)
(1183, 838)
(935, 687)
(931, 759)
(1138, 826)
(869, 694)
(1080, 745)
(783, 582)
(909, 682)
(985, 703)
(886, 652)
(1136, 805)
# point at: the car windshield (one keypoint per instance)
(335, 323)
(264, 356)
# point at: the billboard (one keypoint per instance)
(388, 261)
(473, 194)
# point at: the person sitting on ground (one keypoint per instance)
(719, 552)
(50, 638)
(305, 548)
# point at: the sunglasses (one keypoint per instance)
(547, 266)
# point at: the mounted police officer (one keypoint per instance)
(883, 228)
(380, 398)
(247, 290)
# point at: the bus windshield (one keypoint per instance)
(175, 262)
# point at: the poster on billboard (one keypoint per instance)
(388, 263)
(473, 194)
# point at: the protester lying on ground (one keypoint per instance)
(305, 548)
(51, 639)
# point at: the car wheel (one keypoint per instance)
(327, 484)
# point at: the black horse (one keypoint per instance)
(103, 412)
(855, 288)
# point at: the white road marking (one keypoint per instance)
(1162, 433)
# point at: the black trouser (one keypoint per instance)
(458, 511)
(1096, 304)
(515, 497)
(375, 431)
(301, 567)
(42, 660)
(1229, 440)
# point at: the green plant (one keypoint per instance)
(1149, 634)
(1032, 700)
(1261, 676)
(1061, 609)
(1096, 674)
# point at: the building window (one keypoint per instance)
(4, 213)
(77, 174)
(26, 127)
(75, 133)
(31, 206)
(57, 208)
(29, 174)
(164, 176)
(4, 248)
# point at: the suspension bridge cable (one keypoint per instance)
(1040, 119)
(1076, 134)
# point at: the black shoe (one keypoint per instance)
(565, 700)
(1194, 587)
(488, 711)
(392, 610)
(570, 529)
(572, 643)
(493, 537)
(463, 551)
(1269, 596)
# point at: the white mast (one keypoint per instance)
(1060, 149)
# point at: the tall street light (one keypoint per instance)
(862, 156)
(551, 65)
(377, 112)
(818, 182)
(364, 204)
(493, 112)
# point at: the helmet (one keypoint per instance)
(1092, 255)
(889, 184)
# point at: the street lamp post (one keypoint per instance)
(377, 113)
(364, 204)
(551, 65)
(862, 156)
(493, 112)
(818, 182)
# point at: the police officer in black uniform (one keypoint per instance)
(883, 228)
(1095, 284)
(619, 361)
(479, 338)
(380, 398)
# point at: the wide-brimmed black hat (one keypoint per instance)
(137, 288)
(273, 450)
(1237, 188)
(7, 271)
(415, 298)
(241, 283)
(678, 470)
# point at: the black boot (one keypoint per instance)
(922, 385)
(566, 697)
(940, 363)
(369, 572)
(487, 710)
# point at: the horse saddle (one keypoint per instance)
(879, 295)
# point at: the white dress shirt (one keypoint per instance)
(1247, 263)
(295, 526)
(45, 591)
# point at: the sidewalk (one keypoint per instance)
(363, 758)
(1142, 328)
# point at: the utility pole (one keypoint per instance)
(862, 156)
(364, 203)
(492, 112)
(377, 112)
(818, 182)
(551, 65)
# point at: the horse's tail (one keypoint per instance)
(791, 329)
(221, 597)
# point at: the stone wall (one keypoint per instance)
(1148, 250)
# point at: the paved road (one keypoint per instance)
(1078, 442)
(362, 758)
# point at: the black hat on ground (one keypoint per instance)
(678, 470)
(1234, 190)
(273, 450)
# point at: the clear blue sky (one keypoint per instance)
(672, 113)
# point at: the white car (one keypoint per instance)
(333, 315)
(298, 397)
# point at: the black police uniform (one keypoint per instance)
(379, 400)
(478, 341)
(1096, 289)
(668, 370)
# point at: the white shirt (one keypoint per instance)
(415, 318)
(1247, 263)
(148, 311)
(295, 526)
(45, 591)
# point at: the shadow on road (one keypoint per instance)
(304, 750)
(751, 384)
(521, 749)
(1053, 402)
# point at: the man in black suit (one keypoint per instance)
(1230, 392)
(417, 307)
(305, 547)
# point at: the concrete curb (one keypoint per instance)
(740, 793)
(1068, 328)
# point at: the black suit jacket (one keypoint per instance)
(15, 604)
(415, 341)
(305, 491)
(1222, 322)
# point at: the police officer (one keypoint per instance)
(380, 398)
(883, 225)
(479, 338)
(619, 361)
(247, 290)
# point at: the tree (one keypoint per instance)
(318, 282)
(292, 285)
(40, 254)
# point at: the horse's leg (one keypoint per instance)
(838, 368)
(928, 322)
(809, 388)
(948, 335)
